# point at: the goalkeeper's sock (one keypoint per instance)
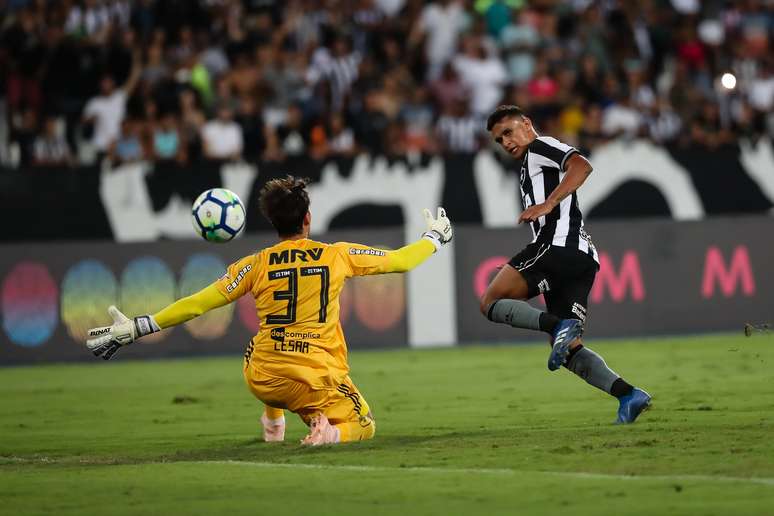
(273, 414)
(521, 314)
(273, 422)
(592, 368)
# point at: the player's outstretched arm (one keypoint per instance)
(107, 340)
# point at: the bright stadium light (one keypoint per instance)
(728, 81)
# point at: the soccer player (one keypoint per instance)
(561, 262)
(298, 359)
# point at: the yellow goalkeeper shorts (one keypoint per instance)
(340, 404)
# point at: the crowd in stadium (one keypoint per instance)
(179, 80)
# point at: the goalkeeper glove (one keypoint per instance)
(439, 230)
(105, 341)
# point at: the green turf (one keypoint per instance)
(459, 431)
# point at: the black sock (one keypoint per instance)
(620, 388)
(548, 322)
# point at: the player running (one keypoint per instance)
(298, 359)
(561, 262)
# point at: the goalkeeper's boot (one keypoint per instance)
(273, 429)
(632, 405)
(565, 333)
(322, 432)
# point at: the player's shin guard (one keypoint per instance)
(360, 431)
(592, 368)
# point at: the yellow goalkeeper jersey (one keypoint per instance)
(296, 285)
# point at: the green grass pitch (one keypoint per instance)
(480, 430)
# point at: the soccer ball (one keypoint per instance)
(218, 215)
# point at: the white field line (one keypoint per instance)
(434, 470)
(492, 471)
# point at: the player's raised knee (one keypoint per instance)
(485, 304)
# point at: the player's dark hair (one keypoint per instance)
(502, 112)
(285, 202)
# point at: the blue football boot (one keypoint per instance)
(632, 406)
(565, 333)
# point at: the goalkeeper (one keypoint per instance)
(298, 359)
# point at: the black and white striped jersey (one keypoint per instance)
(340, 72)
(459, 134)
(541, 172)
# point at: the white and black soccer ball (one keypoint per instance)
(218, 215)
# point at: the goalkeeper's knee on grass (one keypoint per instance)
(357, 431)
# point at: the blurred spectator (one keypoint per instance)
(91, 19)
(290, 138)
(439, 25)
(621, 119)
(458, 130)
(417, 117)
(283, 73)
(128, 146)
(708, 129)
(664, 124)
(192, 121)
(318, 141)
(571, 120)
(250, 120)
(761, 90)
(243, 78)
(591, 134)
(167, 140)
(497, 16)
(448, 89)
(641, 93)
(520, 42)
(23, 133)
(341, 141)
(212, 57)
(222, 137)
(23, 37)
(50, 147)
(106, 110)
(587, 81)
(543, 86)
(225, 94)
(156, 69)
(483, 73)
(338, 66)
(373, 123)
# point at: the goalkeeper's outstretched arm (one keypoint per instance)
(187, 308)
(105, 341)
(364, 260)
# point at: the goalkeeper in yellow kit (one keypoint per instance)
(298, 359)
